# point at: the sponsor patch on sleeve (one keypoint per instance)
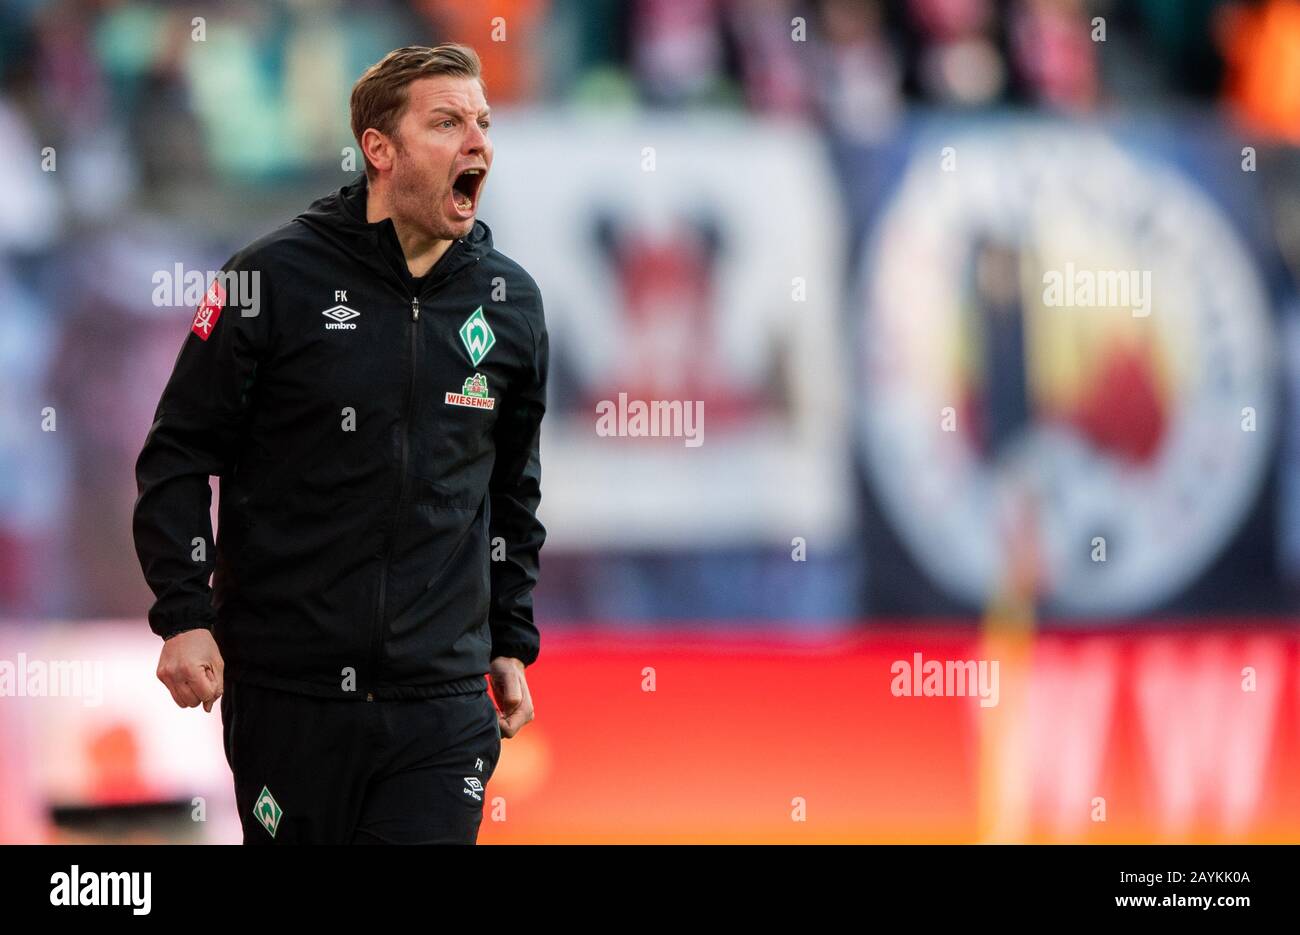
(205, 319)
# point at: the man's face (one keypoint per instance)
(442, 155)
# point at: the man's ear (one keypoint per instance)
(378, 149)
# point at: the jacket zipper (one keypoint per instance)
(377, 639)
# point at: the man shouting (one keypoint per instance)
(372, 409)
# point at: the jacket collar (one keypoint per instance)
(341, 217)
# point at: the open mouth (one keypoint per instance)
(464, 191)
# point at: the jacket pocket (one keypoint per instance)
(457, 551)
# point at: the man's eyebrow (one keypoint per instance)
(440, 109)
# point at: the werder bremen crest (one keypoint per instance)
(267, 811)
(477, 336)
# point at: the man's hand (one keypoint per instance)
(192, 669)
(510, 689)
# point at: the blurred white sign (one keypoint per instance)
(690, 269)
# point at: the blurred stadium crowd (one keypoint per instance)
(169, 150)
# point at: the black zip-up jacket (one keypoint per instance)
(376, 438)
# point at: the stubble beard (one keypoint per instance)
(419, 200)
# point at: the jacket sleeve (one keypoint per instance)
(195, 434)
(515, 492)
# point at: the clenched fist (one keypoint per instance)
(191, 668)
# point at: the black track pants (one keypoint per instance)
(310, 770)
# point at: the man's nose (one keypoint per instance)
(475, 139)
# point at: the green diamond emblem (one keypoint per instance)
(477, 336)
(267, 811)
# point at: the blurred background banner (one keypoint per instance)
(1109, 738)
(1067, 333)
(973, 327)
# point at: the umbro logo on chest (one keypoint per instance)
(339, 315)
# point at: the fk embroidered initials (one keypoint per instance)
(205, 319)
